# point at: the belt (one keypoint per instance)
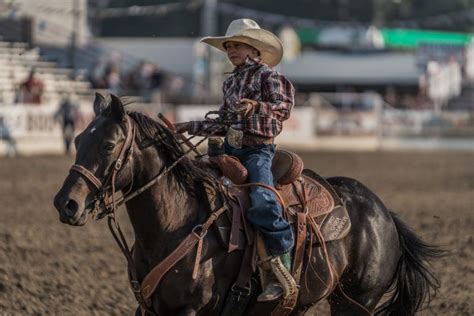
(253, 140)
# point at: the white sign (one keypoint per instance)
(28, 120)
(300, 125)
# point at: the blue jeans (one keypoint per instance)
(266, 212)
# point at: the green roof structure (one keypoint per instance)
(407, 38)
(393, 37)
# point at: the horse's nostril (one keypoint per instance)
(71, 208)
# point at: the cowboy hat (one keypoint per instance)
(247, 31)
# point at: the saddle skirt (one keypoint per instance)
(302, 192)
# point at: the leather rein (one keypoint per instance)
(104, 207)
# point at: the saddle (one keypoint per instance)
(310, 204)
(302, 190)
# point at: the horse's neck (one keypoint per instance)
(162, 215)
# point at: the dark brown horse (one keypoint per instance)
(380, 254)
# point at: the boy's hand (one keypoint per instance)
(247, 107)
(182, 127)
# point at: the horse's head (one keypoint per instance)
(103, 154)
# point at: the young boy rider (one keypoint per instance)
(263, 99)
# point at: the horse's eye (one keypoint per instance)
(108, 146)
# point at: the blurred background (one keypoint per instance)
(368, 74)
(384, 94)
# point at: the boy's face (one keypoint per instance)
(238, 52)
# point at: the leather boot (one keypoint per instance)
(272, 290)
(279, 281)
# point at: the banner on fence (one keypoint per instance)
(34, 129)
(18, 121)
(351, 123)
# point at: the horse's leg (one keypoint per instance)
(187, 311)
(373, 248)
(355, 303)
(301, 311)
(361, 288)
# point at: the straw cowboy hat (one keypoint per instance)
(249, 32)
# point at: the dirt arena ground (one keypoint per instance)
(47, 268)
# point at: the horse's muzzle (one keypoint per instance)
(70, 210)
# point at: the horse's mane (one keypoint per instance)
(186, 172)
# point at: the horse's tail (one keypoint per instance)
(414, 283)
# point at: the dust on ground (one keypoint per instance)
(50, 268)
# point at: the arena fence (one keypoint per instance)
(32, 129)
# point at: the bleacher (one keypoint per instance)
(16, 62)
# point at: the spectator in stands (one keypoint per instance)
(96, 75)
(113, 79)
(68, 115)
(5, 134)
(31, 90)
(132, 78)
(142, 80)
(157, 81)
(112, 74)
(145, 80)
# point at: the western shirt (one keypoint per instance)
(256, 81)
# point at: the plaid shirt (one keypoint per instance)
(256, 81)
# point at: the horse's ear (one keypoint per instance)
(99, 104)
(117, 108)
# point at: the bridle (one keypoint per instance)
(102, 197)
(106, 192)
